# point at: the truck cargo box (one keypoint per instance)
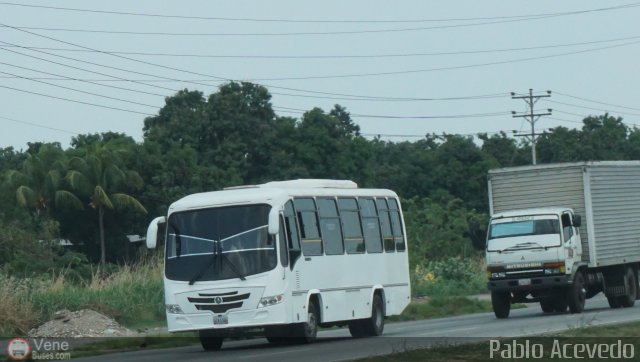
(606, 194)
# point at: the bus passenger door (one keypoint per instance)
(283, 242)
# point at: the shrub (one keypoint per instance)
(450, 276)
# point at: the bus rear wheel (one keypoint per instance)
(372, 326)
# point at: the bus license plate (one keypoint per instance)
(220, 319)
(524, 282)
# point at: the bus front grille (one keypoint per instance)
(219, 302)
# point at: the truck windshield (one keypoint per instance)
(524, 232)
(524, 227)
(238, 233)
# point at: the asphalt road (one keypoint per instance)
(337, 345)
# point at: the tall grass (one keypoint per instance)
(131, 294)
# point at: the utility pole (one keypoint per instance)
(532, 117)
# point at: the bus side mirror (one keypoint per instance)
(274, 221)
(577, 220)
(152, 232)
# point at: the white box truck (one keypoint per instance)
(562, 233)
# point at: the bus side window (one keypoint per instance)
(282, 246)
(330, 227)
(385, 223)
(370, 225)
(396, 225)
(291, 229)
(350, 218)
(308, 220)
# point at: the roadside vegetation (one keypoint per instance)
(132, 295)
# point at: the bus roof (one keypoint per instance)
(275, 193)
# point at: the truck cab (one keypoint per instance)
(532, 255)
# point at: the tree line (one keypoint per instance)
(107, 185)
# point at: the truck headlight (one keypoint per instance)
(269, 301)
(554, 268)
(495, 275)
(173, 308)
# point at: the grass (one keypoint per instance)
(129, 344)
(441, 307)
(131, 295)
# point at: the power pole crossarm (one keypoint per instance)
(532, 117)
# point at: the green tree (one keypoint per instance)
(503, 149)
(39, 183)
(99, 176)
(603, 138)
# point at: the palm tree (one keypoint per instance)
(39, 184)
(98, 176)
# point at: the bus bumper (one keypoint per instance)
(252, 318)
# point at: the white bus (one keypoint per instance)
(286, 257)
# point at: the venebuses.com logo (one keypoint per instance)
(22, 349)
(18, 349)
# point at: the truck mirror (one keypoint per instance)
(477, 234)
(577, 220)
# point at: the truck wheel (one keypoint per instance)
(560, 304)
(577, 293)
(210, 340)
(547, 306)
(614, 302)
(631, 286)
(501, 302)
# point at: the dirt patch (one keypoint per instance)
(82, 323)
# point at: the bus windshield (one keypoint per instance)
(238, 234)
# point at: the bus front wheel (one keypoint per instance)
(308, 332)
(210, 341)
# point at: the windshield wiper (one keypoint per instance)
(217, 253)
(528, 245)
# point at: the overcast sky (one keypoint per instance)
(401, 68)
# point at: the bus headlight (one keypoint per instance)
(273, 300)
(173, 308)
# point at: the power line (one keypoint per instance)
(62, 77)
(316, 21)
(338, 56)
(267, 34)
(81, 91)
(217, 78)
(86, 70)
(593, 109)
(425, 70)
(75, 101)
(449, 116)
(598, 102)
(142, 82)
(38, 125)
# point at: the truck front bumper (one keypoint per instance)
(528, 283)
